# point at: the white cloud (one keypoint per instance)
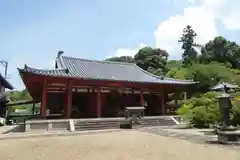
(202, 18)
(127, 52)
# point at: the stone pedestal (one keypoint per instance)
(133, 115)
(127, 124)
(229, 135)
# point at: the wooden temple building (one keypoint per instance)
(81, 88)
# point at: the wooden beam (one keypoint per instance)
(44, 99)
(98, 102)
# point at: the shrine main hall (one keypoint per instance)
(82, 88)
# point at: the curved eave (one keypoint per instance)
(64, 73)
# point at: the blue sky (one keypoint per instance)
(32, 32)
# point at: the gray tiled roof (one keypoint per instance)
(44, 72)
(221, 86)
(103, 70)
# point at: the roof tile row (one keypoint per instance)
(103, 70)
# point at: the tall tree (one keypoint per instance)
(221, 50)
(188, 43)
(152, 60)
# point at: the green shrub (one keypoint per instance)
(201, 111)
(235, 115)
(199, 117)
(205, 116)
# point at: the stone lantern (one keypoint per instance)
(225, 106)
(226, 134)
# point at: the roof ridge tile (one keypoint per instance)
(98, 61)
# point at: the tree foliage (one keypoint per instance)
(221, 50)
(178, 73)
(127, 59)
(149, 59)
(187, 40)
(152, 60)
(209, 75)
(19, 95)
(219, 61)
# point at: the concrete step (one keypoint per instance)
(93, 123)
(118, 123)
(106, 124)
(97, 124)
(82, 128)
(159, 122)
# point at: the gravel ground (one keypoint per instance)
(119, 145)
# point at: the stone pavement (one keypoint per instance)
(6, 128)
(193, 135)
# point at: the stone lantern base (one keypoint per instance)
(228, 135)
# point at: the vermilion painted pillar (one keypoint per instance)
(69, 100)
(98, 102)
(44, 99)
(141, 98)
